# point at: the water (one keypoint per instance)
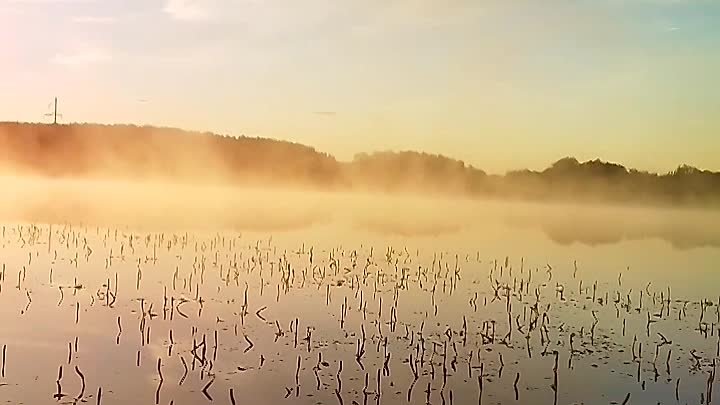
(423, 281)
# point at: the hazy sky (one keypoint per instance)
(498, 83)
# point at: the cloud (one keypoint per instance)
(93, 20)
(326, 113)
(189, 10)
(82, 56)
(257, 18)
(48, 1)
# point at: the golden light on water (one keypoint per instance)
(368, 202)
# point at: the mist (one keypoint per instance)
(157, 205)
(129, 153)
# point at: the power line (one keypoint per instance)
(54, 114)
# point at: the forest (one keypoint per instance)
(145, 153)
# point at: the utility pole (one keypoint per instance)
(54, 114)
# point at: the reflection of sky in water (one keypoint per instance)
(38, 339)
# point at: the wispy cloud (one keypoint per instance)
(48, 1)
(82, 56)
(255, 17)
(189, 10)
(100, 20)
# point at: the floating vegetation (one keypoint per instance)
(192, 318)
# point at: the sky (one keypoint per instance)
(499, 84)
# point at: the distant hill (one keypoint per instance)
(133, 152)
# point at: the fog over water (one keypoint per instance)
(166, 206)
(137, 275)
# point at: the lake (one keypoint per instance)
(196, 295)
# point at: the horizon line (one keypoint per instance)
(356, 154)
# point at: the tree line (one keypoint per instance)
(142, 152)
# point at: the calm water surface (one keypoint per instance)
(414, 298)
